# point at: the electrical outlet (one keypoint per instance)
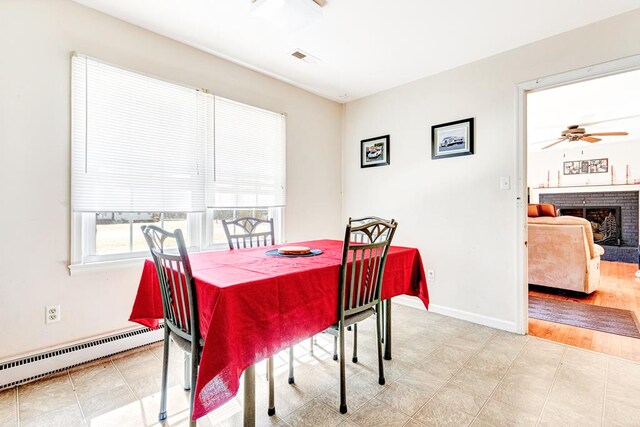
(431, 275)
(52, 314)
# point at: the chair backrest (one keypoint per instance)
(177, 286)
(362, 266)
(245, 233)
(361, 237)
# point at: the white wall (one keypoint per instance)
(452, 209)
(619, 154)
(36, 39)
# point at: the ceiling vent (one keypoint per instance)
(298, 54)
(304, 56)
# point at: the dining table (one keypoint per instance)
(252, 306)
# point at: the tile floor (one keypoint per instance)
(444, 372)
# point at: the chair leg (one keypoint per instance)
(355, 343)
(311, 346)
(272, 406)
(291, 379)
(165, 367)
(387, 330)
(383, 314)
(335, 348)
(343, 376)
(378, 341)
(186, 384)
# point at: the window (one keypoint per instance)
(147, 151)
(117, 235)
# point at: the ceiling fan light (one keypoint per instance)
(291, 15)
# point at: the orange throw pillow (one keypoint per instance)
(547, 209)
(533, 211)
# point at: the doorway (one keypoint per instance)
(555, 167)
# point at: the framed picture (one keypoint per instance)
(375, 152)
(452, 139)
(577, 167)
(603, 167)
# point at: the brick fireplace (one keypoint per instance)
(621, 209)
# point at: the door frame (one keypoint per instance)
(618, 66)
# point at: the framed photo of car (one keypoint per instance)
(375, 152)
(452, 139)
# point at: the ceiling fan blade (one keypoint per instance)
(607, 134)
(590, 139)
(557, 142)
(544, 140)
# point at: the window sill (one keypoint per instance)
(75, 269)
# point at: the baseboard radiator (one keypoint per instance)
(31, 368)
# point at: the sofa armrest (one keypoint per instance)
(599, 250)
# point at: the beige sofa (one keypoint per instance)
(562, 254)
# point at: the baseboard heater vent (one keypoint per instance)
(30, 368)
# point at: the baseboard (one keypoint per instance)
(492, 322)
(409, 301)
(30, 368)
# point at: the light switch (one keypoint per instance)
(505, 183)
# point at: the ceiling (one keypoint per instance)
(607, 104)
(364, 46)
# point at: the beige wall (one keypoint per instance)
(36, 39)
(453, 209)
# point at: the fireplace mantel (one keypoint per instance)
(534, 193)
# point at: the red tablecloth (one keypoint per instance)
(253, 306)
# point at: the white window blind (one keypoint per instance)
(138, 143)
(248, 157)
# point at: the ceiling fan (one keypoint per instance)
(576, 133)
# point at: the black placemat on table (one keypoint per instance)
(274, 252)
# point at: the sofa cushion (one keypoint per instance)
(533, 211)
(547, 209)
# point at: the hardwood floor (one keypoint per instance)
(619, 288)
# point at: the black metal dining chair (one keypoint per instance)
(360, 286)
(180, 308)
(246, 232)
(361, 237)
(179, 304)
(249, 232)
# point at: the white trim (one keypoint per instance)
(76, 238)
(617, 66)
(521, 252)
(278, 224)
(587, 73)
(106, 265)
(492, 322)
(409, 301)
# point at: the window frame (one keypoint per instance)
(83, 236)
(83, 255)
